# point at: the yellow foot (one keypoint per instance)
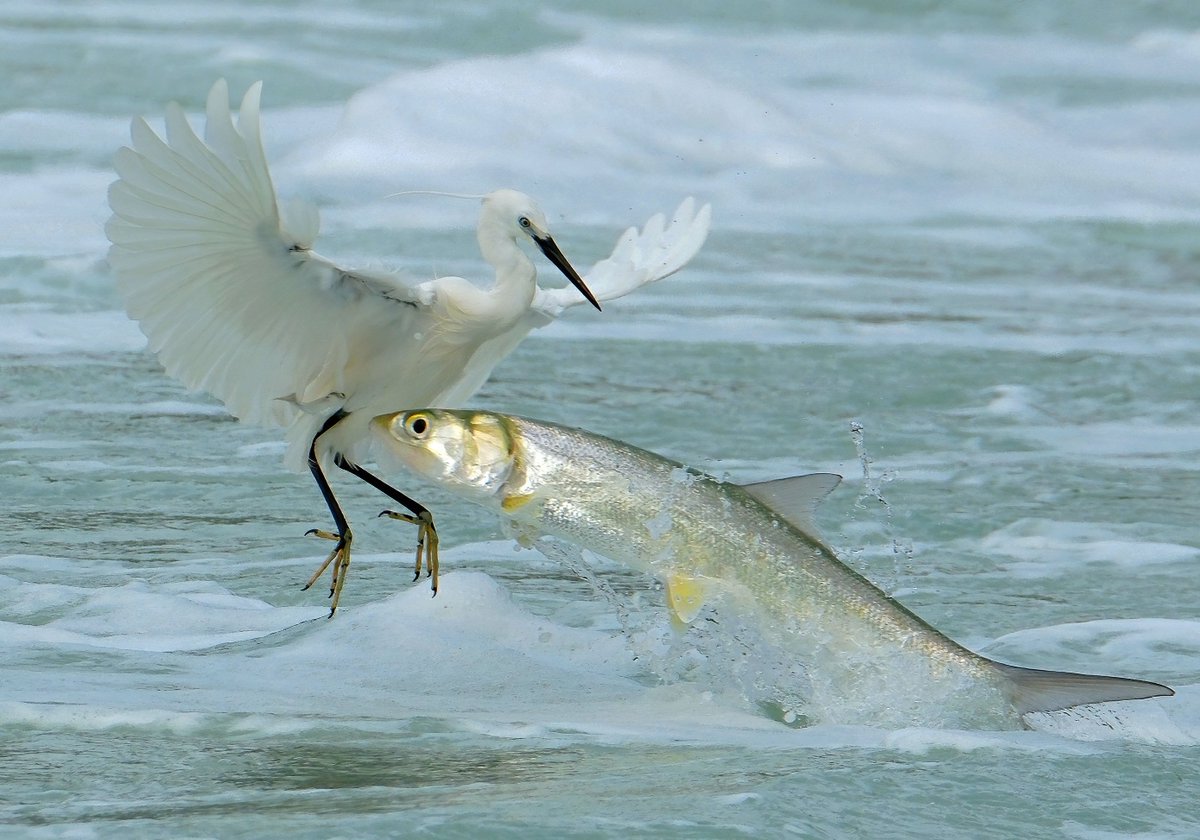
(427, 542)
(339, 558)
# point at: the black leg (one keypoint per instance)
(416, 508)
(314, 466)
(427, 538)
(343, 537)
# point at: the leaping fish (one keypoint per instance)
(751, 547)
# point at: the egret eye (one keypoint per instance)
(524, 222)
(417, 425)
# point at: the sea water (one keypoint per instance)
(954, 258)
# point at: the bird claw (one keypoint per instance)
(427, 543)
(339, 559)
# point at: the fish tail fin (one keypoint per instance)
(1033, 690)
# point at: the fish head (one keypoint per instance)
(468, 452)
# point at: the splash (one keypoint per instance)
(721, 650)
(902, 549)
(1140, 722)
(798, 675)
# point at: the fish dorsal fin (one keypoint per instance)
(795, 498)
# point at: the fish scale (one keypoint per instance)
(751, 549)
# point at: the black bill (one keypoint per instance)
(550, 249)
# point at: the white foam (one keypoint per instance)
(1170, 721)
(1169, 43)
(78, 135)
(786, 128)
(51, 212)
(1107, 645)
(768, 137)
(1131, 436)
(920, 741)
(472, 658)
(30, 330)
(89, 718)
(1034, 548)
(789, 129)
(139, 616)
(1016, 402)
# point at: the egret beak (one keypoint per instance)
(550, 249)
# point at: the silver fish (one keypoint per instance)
(751, 548)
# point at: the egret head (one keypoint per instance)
(518, 216)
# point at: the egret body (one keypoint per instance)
(235, 302)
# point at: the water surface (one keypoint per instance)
(972, 232)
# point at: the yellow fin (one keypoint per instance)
(513, 502)
(685, 598)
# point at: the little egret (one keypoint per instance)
(234, 301)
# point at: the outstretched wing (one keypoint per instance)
(232, 301)
(658, 250)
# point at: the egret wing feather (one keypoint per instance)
(640, 257)
(231, 300)
(658, 250)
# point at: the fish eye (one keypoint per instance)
(416, 425)
(524, 222)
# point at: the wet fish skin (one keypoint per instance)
(753, 547)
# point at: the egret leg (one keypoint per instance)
(427, 537)
(342, 553)
(339, 558)
(427, 542)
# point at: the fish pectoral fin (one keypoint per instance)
(685, 598)
(795, 498)
(516, 501)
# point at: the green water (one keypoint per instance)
(970, 232)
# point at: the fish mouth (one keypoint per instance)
(550, 248)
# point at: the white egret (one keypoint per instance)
(234, 301)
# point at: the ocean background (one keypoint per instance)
(955, 258)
